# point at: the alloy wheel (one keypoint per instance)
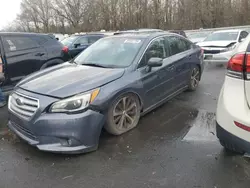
(195, 78)
(125, 113)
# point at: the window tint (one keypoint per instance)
(14, 43)
(177, 44)
(156, 49)
(93, 39)
(82, 41)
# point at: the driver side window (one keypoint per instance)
(156, 49)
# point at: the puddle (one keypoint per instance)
(202, 128)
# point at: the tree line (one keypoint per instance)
(70, 16)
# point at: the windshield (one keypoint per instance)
(68, 41)
(111, 52)
(223, 36)
(198, 35)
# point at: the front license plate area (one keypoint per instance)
(208, 57)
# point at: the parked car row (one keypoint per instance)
(108, 85)
(79, 42)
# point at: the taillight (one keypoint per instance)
(248, 63)
(65, 49)
(236, 63)
(202, 51)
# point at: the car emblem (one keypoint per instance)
(19, 101)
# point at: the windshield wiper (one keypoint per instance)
(95, 65)
(73, 61)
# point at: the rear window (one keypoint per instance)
(15, 43)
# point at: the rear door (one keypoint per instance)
(22, 55)
(182, 56)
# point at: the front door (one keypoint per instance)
(22, 55)
(157, 83)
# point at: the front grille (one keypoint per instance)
(23, 106)
(212, 51)
(24, 130)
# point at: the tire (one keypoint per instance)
(51, 63)
(194, 79)
(231, 148)
(127, 109)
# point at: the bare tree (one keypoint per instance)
(87, 15)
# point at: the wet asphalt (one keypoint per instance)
(173, 146)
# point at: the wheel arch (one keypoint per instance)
(116, 95)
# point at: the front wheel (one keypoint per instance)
(123, 114)
(194, 79)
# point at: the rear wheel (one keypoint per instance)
(123, 114)
(194, 79)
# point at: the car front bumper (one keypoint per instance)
(221, 58)
(59, 132)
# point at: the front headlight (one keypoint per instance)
(75, 103)
(229, 48)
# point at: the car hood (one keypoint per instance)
(69, 79)
(216, 43)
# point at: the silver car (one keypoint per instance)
(220, 46)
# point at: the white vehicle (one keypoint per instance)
(233, 109)
(220, 45)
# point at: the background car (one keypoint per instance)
(233, 109)
(25, 53)
(219, 46)
(198, 36)
(179, 32)
(109, 84)
(78, 43)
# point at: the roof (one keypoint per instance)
(139, 30)
(21, 33)
(231, 30)
(144, 35)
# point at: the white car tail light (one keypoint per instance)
(238, 65)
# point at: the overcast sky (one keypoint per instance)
(8, 11)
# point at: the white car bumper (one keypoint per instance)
(232, 107)
(221, 58)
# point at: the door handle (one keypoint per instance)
(39, 54)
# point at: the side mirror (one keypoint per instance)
(155, 62)
(76, 45)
